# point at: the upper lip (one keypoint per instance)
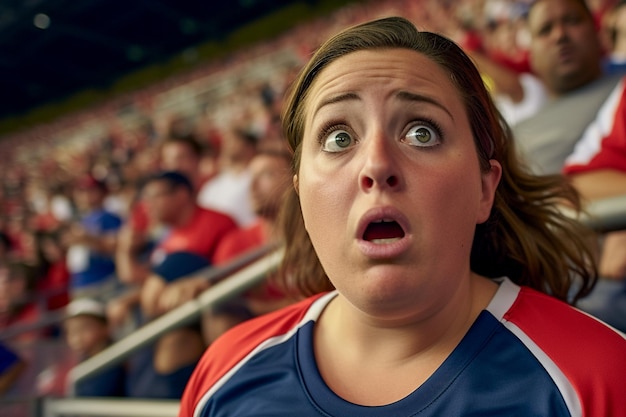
(387, 213)
(566, 50)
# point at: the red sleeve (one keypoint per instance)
(232, 347)
(238, 242)
(138, 218)
(594, 365)
(229, 247)
(603, 145)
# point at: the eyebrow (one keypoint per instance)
(402, 95)
(336, 99)
(407, 96)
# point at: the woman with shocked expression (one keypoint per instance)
(438, 269)
(390, 170)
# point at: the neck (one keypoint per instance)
(567, 87)
(406, 338)
(400, 355)
(97, 349)
(185, 216)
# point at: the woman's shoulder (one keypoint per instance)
(233, 347)
(276, 323)
(238, 342)
(542, 314)
(576, 343)
(590, 354)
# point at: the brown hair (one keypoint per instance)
(527, 237)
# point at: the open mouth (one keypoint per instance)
(383, 231)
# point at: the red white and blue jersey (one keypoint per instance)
(603, 144)
(527, 354)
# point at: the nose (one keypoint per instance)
(559, 32)
(380, 168)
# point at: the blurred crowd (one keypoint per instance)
(107, 214)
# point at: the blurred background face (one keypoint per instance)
(5, 290)
(88, 198)
(236, 149)
(86, 335)
(565, 48)
(13, 289)
(270, 178)
(179, 157)
(163, 202)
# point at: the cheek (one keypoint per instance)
(454, 195)
(324, 200)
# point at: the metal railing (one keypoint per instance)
(101, 407)
(606, 215)
(223, 290)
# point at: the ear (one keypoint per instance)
(296, 184)
(490, 181)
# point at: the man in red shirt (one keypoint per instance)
(170, 201)
(191, 237)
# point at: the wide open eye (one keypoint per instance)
(423, 136)
(337, 141)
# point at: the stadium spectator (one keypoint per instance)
(614, 26)
(269, 170)
(139, 234)
(51, 265)
(86, 333)
(92, 241)
(597, 168)
(183, 154)
(494, 35)
(229, 190)
(162, 369)
(17, 306)
(566, 54)
(582, 127)
(193, 235)
(170, 200)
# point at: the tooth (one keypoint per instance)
(386, 240)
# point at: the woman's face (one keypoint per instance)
(389, 181)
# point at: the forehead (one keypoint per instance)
(177, 149)
(546, 10)
(385, 70)
(157, 184)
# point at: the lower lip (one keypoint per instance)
(386, 250)
(566, 55)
